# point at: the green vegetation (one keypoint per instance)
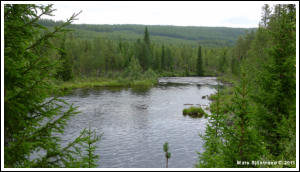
(194, 112)
(199, 63)
(105, 82)
(33, 117)
(167, 153)
(255, 118)
(89, 160)
(189, 35)
(88, 52)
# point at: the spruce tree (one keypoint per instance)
(276, 91)
(89, 159)
(163, 58)
(146, 37)
(222, 63)
(212, 157)
(199, 63)
(33, 115)
(168, 59)
(266, 13)
(65, 63)
(242, 140)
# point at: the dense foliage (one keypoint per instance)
(82, 57)
(252, 120)
(256, 119)
(207, 36)
(194, 112)
(33, 116)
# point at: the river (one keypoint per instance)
(137, 122)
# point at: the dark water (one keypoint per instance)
(135, 123)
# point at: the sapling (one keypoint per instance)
(167, 153)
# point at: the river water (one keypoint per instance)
(137, 122)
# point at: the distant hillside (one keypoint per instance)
(206, 36)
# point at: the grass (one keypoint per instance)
(105, 82)
(194, 112)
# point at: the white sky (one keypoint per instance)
(180, 13)
(228, 14)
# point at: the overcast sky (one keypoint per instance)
(228, 14)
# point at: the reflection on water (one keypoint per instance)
(136, 122)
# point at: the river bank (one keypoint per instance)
(148, 79)
(106, 82)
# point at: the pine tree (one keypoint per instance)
(276, 90)
(65, 70)
(266, 13)
(134, 69)
(222, 62)
(33, 115)
(163, 58)
(199, 63)
(168, 59)
(146, 37)
(144, 51)
(234, 66)
(242, 141)
(147, 51)
(89, 159)
(213, 154)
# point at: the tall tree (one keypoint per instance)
(276, 92)
(199, 62)
(212, 156)
(65, 70)
(31, 118)
(163, 58)
(243, 143)
(266, 13)
(146, 36)
(168, 59)
(222, 63)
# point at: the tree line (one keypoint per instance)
(100, 57)
(255, 120)
(207, 36)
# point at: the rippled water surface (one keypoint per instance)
(135, 123)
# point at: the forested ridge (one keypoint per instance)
(207, 36)
(108, 50)
(253, 118)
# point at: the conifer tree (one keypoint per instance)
(163, 58)
(146, 37)
(89, 159)
(213, 154)
(199, 63)
(266, 13)
(242, 141)
(222, 61)
(167, 153)
(33, 115)
(276, 91)
(65, 68)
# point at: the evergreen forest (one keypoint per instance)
(253, 117)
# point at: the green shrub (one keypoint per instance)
(150, 74)
(194, 112)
